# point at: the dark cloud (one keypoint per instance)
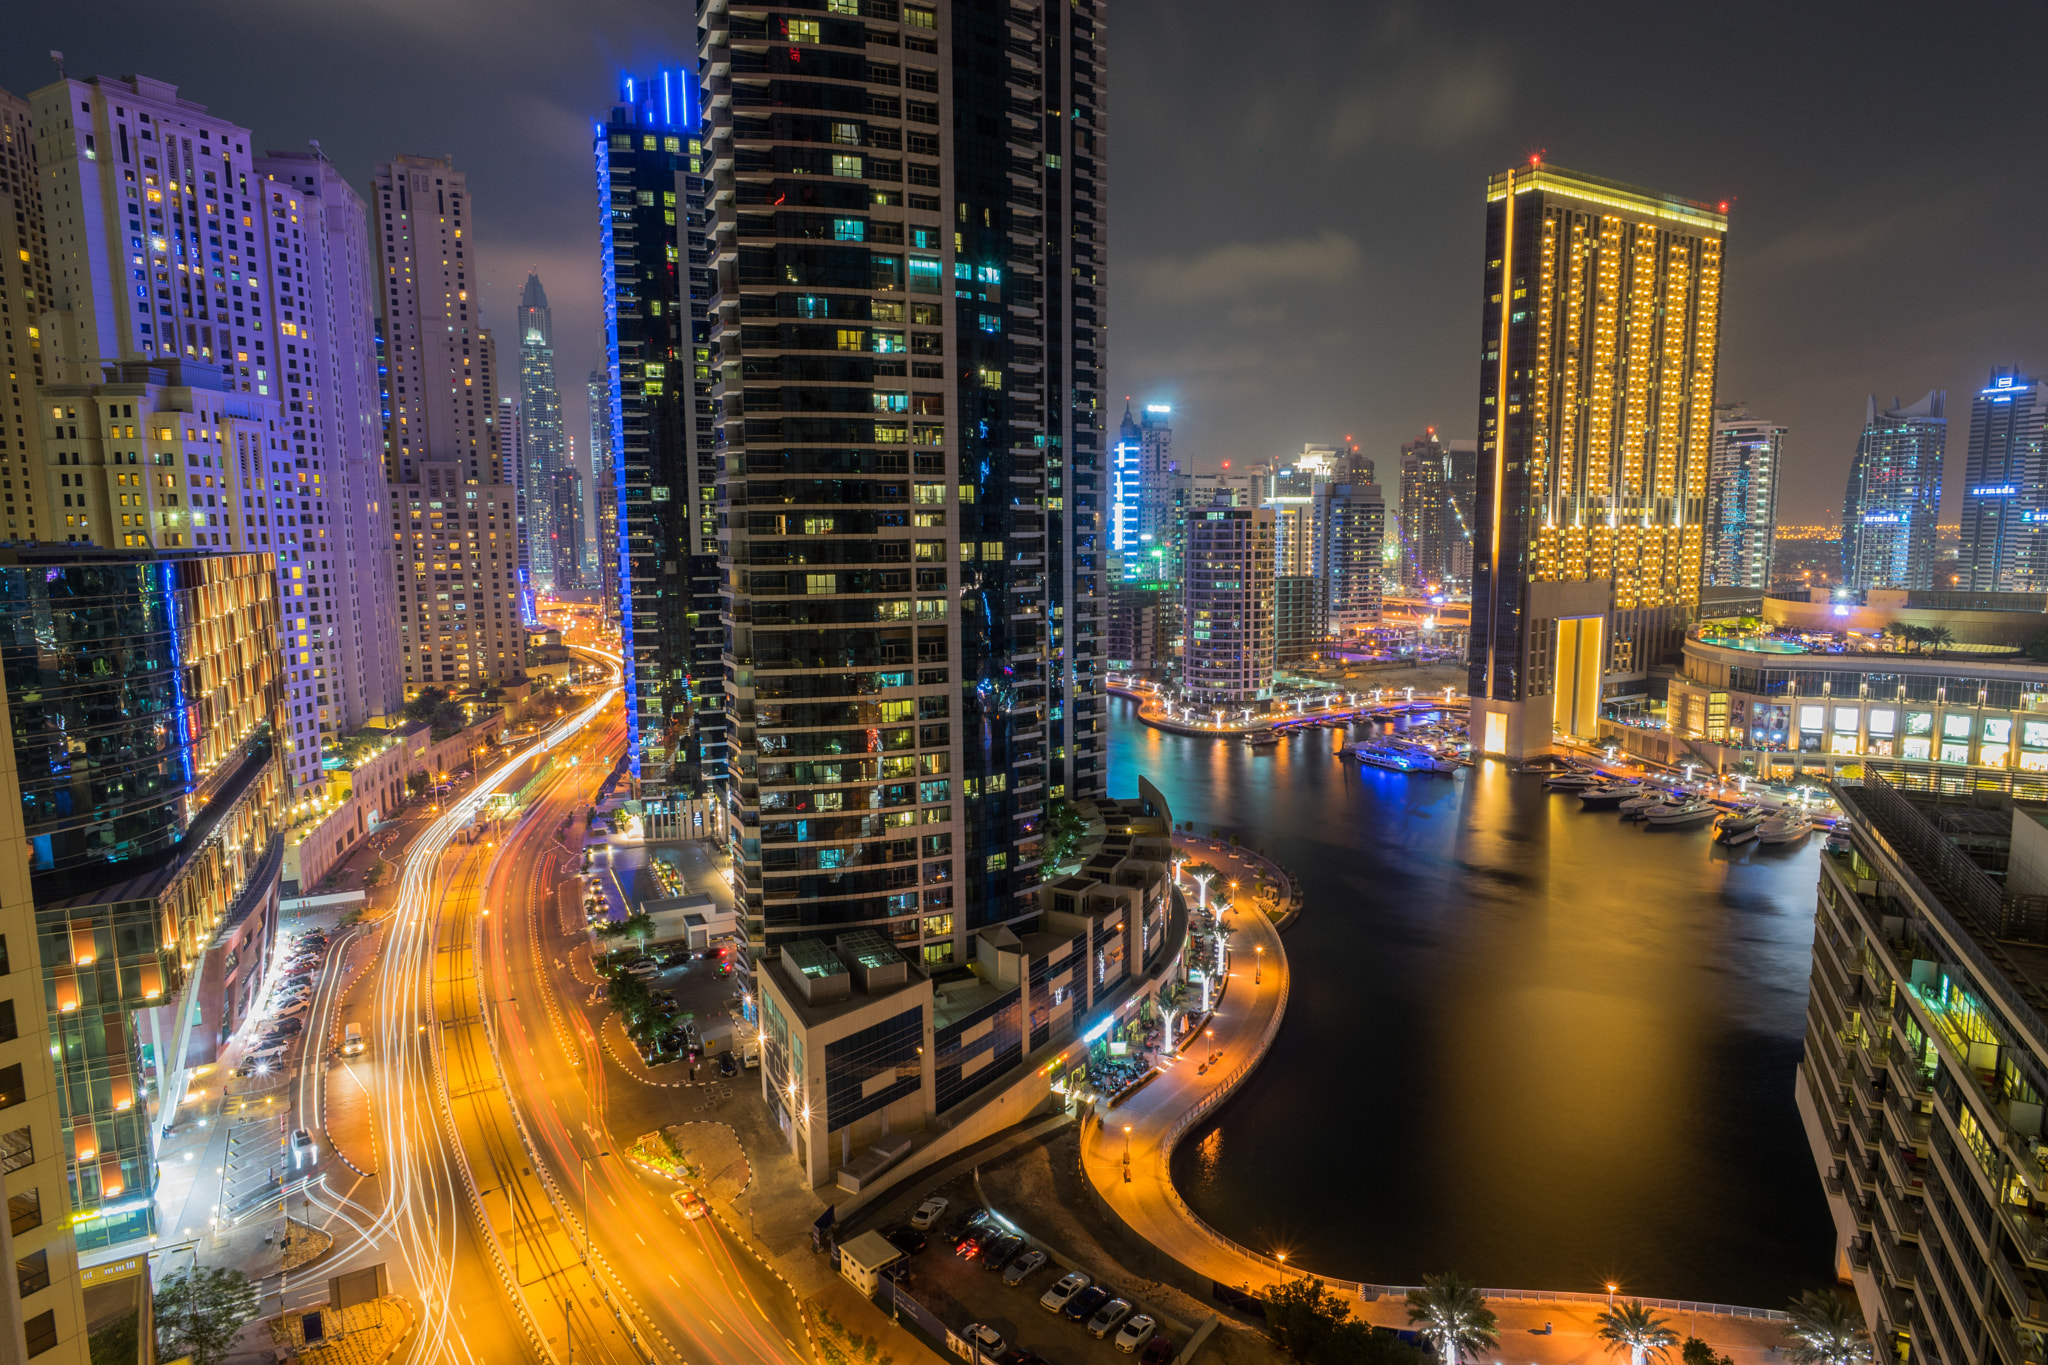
(1296, 189)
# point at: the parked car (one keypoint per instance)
(906, 1239)
(997, 1254)
(1016, 1355)
(1020, 1267)
(1070, 1285)
(975, 1242)
(305, 1151)
(1137, 1329)
(967, 1222)
(985, 1339)
(1084, 1304)
(1158, 1351)
(1109, 1317)
(726, 1065)
(928, 1213)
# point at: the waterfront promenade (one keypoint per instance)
(1139, 1192)
(1152, 713)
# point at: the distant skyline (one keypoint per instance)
(1297, 259)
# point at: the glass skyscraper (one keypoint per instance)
(1742, 500)
(656, 282)
(1894, 492)
(2005, 487)
(544, 453)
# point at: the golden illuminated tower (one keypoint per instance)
(1596, 395)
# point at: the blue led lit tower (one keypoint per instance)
(2005, 487)
(651, 194)
(1893, 493)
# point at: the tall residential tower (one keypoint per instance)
(1894, 492)
(907, 220)
(543, 453)
(2005, 487)
(1600, 325)
(1742, 500)
(454, 523)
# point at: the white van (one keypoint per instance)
(352, 1040)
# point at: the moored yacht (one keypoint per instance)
(1787, 826)
(1607, 795)
(1691, 812)
(1739, 826)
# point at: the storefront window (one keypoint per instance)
(2034, 734)
(1954, 753)
(1847, 718)
(1883, 720)
(1993, 755)
(1955, 725)
(1915, 749)
(1920, 723)
(2033, 763)
(1998, 732)
(1812, 717)
(1844, 744)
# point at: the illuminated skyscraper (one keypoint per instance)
(604, 499)
(2005, 487)
(1436, 510)
(657, 280)
(908, 328)
(454, 526)
(1742, 500)
(1600, 326)
(543, 453)
(230, 405)
(1127, 495)
(1894, 492)
(1230, 605)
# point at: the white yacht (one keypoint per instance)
(1651, 799)
(1607, 795)
(1788, 826)
(1739, 826)
(1692, 812)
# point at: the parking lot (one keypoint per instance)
(962, 1291)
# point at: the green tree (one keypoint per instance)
(1453, 1317)
(200, 1313)
(1359, 1343)
(1064, 830)
(117, 1343)
(422, 707)
(1697, 1352)
(639, 926)
(1826, 1328)
(633, 1000)
(1939, 637)
(1633, 1328)
(1302, 1314)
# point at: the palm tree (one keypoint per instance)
(1826, 1329)
(1635, 1329)
(1939, 637)
(1453, 1317)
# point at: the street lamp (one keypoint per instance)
(1127, 1146)
(1259, 965)
(1611, 1287)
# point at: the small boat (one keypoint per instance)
(1839, 841)
(1692, 812)
(1259, 739)
(1574, 781)
(1607, 796)
(1788, 826)
(1399, 758)
(1649, 799)
(1739, 826)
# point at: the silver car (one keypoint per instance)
(1018, 1270)
(1109, 1317)
(1057, 1297)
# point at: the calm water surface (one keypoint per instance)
(1527, 1042)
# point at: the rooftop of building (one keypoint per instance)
(1541, 175)
(1958, 847)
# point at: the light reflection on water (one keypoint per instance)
(1527, 1042)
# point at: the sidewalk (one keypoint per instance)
(361, 1334)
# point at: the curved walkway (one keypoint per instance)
(1138, 1189)
(1149, 712)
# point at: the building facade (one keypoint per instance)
(1353, 517)
(543, 452)
(1894, 493)
(2005, 487)
(651, 186)
(1599, 335)
(910, 297)
(1926, 1067)
(218, 404)
(24, 294)
(454, 524)
(1742, 500)
(153, 853)
(1230, 608)
(604, 503)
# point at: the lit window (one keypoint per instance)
(846, 165)
(856, 230)
(801, 30)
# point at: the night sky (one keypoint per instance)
(1296, 189)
